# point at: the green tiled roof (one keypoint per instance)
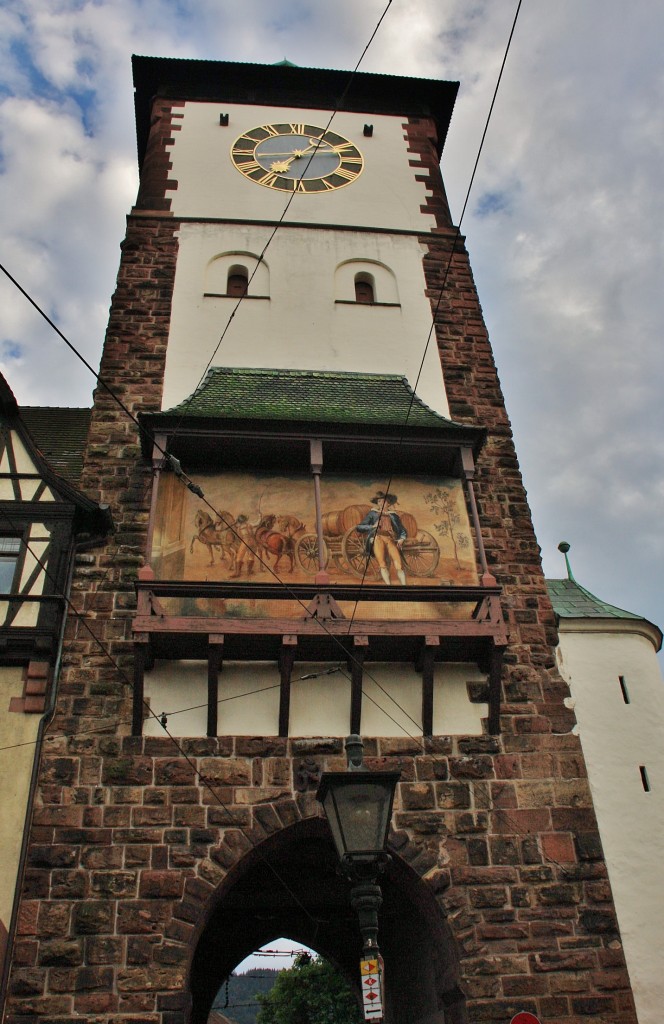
(571, 601)
(309, 396)
(60, 435)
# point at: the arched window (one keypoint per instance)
(228, 275)
(365, 282)
(364, 288)
(237, 281)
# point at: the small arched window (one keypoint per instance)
(364, 288)
(238, 280)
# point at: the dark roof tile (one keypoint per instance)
(571, 601)
(60, 435)
(320, 396)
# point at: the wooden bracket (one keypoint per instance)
(495, 670)
(286, 659)
(426, 659)
(324, 606)
(141, 652)
(215, 660)
(356, 659)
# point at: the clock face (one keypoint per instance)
(297, 158)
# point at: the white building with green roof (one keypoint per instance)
(609, 658)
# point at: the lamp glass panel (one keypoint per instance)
(358, 816)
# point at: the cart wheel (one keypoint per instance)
(306, 553)
(352, 546)
(421, 555)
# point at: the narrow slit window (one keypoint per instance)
(238, 280)
(624, 690)
(364, 288)
(645, 781)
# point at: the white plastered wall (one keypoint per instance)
(24, 464)
(300, 326)
(617, 738)
(385, 195)
(320, 706)
(15, 770)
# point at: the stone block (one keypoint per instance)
(174, 772)
(27, 981)
(231, 771)
(453, 795)
(479, 767)
(261, 746)
(127, 771)
(558, 847)
(416, 796)
(93, 917)
(114, 884)
(54, 919)
(60, 953)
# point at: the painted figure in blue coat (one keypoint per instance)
(384, 535)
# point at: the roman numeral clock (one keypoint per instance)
(296, 158)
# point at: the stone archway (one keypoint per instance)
(289, 886)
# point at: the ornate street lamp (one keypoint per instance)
(358, 806)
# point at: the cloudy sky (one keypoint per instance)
(564, 225)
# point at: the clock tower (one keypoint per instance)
(321, 531)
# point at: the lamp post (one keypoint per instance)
(358, 807)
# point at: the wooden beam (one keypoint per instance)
(215, 657)
(140, 656)
(461, 628)
(359, 653)
(427, 660)
(286, 659)
(416, 592)
(495, 669)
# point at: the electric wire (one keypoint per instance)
(446, 275)
(170, 459)
(175, 463)
(199, 775)
(279, 223)
(196, 489)
(418, 741)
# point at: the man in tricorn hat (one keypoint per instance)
(384, 535)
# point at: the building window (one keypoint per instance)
(364, 288)
(238, 280)
(645, 781)
(623, 689)
(10, 548)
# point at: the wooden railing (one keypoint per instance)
(318, 631)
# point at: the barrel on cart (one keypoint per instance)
(345, 546)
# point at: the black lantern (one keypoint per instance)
(358, 806)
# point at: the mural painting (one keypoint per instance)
(410, 531)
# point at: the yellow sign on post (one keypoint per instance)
(371, 980)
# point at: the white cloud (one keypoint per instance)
(568, 254)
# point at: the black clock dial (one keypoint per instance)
(297, 158)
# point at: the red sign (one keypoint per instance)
(525, 1018)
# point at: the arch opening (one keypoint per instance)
(238, 280)
(290, 887)
(365, 290)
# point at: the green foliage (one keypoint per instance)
(310, 992)
(239, 1001)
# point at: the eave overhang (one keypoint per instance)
(89, 517)
(272, 84)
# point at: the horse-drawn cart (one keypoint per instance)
(344, 546)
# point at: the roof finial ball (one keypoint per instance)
(564, 547)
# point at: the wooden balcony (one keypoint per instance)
(319, 631)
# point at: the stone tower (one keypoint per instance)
(320, 529)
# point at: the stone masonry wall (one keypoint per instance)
(127, 846)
